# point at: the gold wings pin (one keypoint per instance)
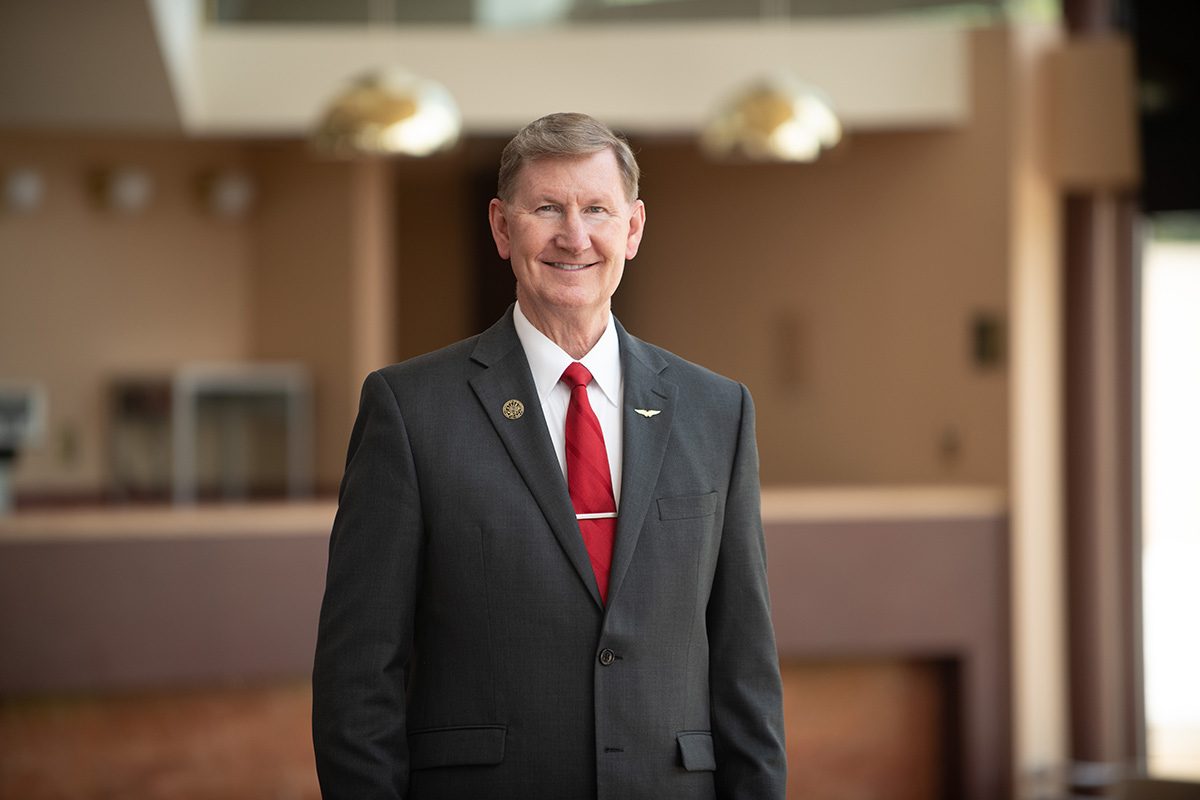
(648, 412)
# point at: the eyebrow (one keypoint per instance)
(598, 203)
(604, 202)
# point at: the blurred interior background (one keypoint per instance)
(969, 325)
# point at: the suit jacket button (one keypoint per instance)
(607, 656)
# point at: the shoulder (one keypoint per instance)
(446, 360)
(687, 374)
(457, 363)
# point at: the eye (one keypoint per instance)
(595, 209)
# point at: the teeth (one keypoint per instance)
(560, 265)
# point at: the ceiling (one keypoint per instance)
(155, 66)
(69, 63)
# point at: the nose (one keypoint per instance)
(572, 235)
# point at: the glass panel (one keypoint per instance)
(341, 12)
(506, 13)
(1171, 498)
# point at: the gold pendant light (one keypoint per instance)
(389, 112)
(775, 119)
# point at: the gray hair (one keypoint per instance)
(560, 136)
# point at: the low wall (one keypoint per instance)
(117, 599)
(120, 599)
(917, 574)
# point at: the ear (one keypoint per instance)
(499, 223)
(637, 223)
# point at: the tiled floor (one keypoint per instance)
(225, 744)
(865, 729)
(855, 730)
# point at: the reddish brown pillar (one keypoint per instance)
(1103, 546)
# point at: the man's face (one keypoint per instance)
(567, 230)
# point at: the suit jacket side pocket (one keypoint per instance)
(696, 750)
(458, 746)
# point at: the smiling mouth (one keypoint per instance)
(567, 267)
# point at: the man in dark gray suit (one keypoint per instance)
(482, 636)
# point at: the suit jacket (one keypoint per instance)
(463, 650)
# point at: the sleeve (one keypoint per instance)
(365, 631)
(746, 690)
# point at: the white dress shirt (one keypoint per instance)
(547, 361)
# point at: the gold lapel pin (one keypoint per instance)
(648, 413)
(513, 409)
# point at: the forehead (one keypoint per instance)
(593, 176)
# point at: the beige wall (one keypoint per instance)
(301, 289)
(86, 295)
(840, 292)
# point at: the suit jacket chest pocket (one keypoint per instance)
(695, 507)
(686, 543)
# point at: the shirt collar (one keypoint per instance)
(547, 360)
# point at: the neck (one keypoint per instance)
(576, 333)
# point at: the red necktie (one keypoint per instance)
(589, 479)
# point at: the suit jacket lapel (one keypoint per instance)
(507, 377)
(644, 441)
